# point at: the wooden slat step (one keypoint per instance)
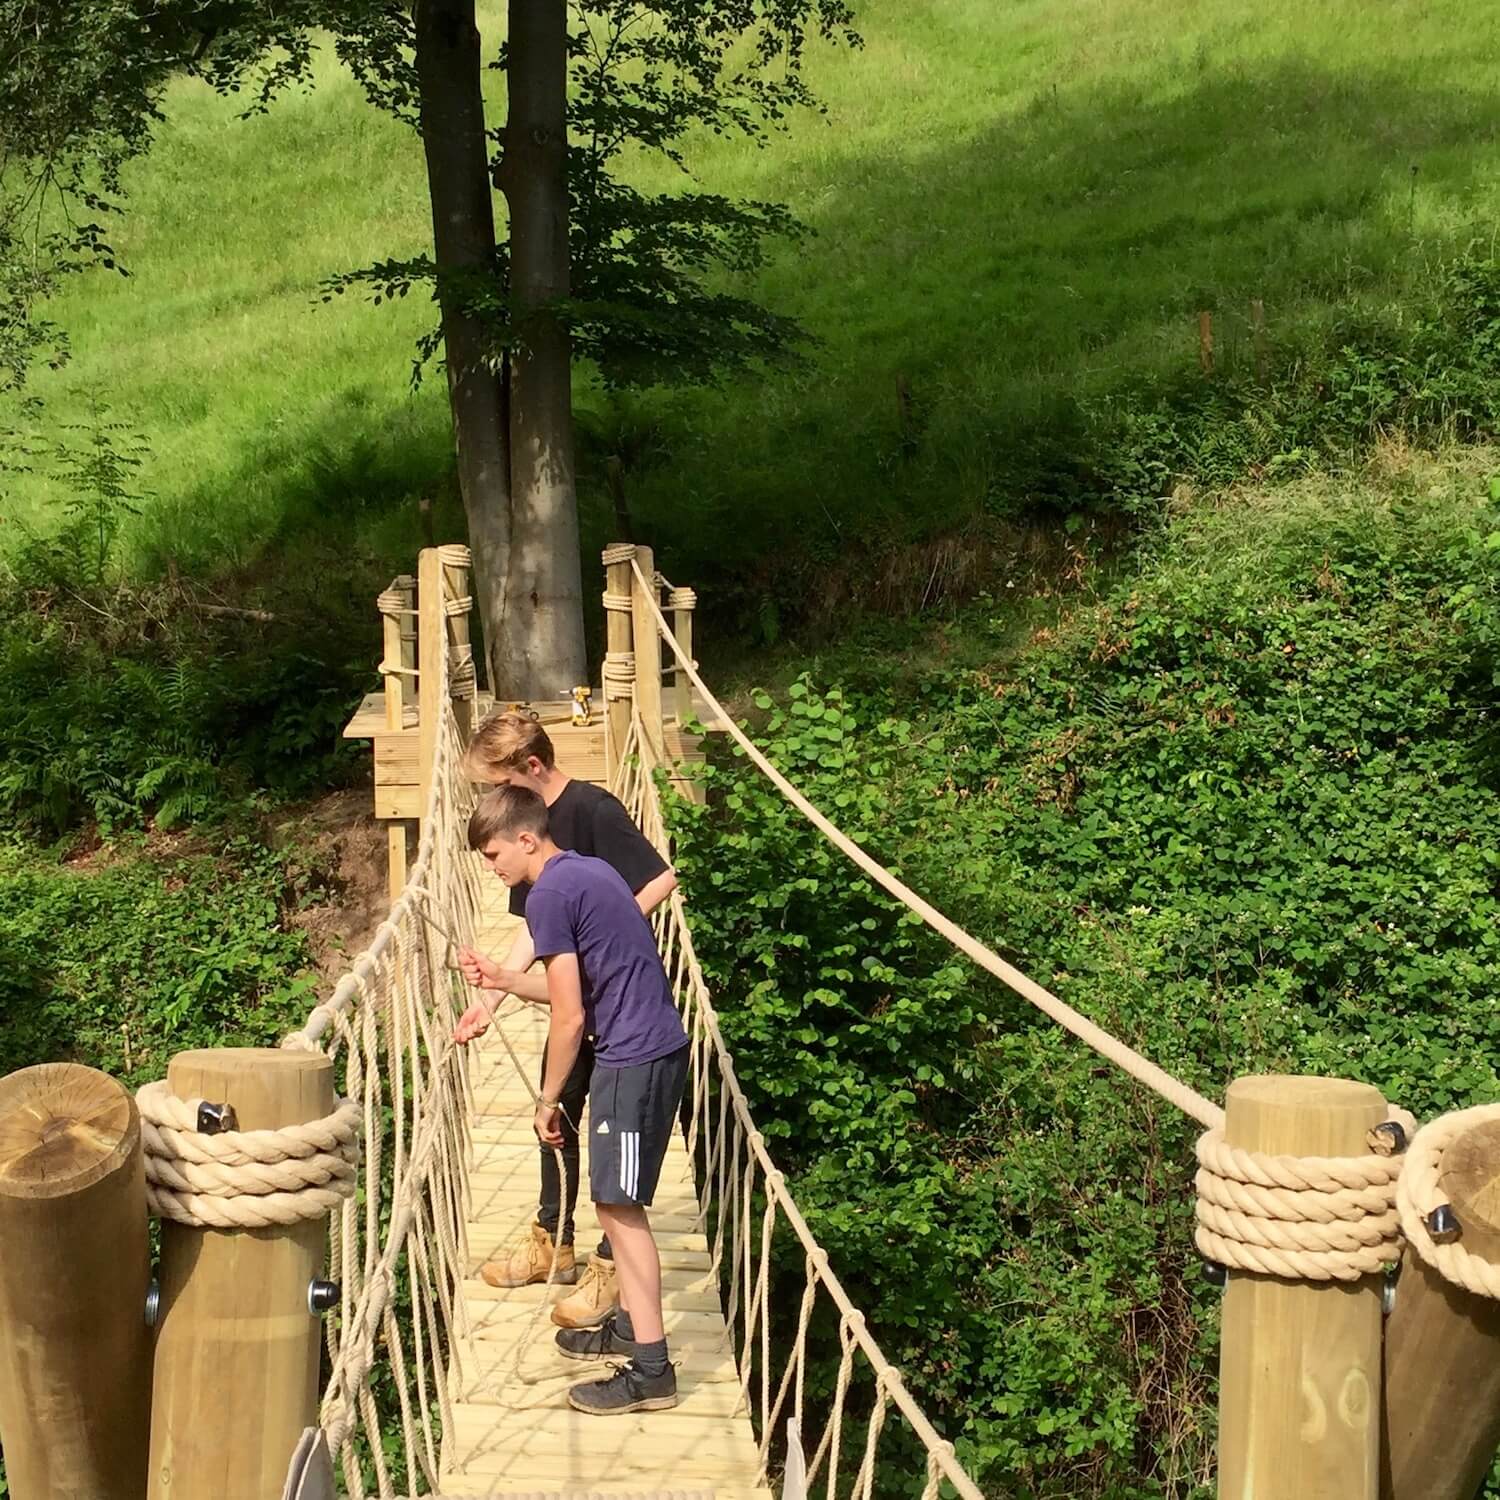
(572, 1446)
(704, 1389)
(503, 1323)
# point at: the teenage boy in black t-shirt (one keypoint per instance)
(512, 748)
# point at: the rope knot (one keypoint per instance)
(1308, 1218)
(1420, 1193)
(244, 1179)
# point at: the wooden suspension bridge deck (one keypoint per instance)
(513, 1429)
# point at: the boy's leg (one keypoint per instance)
(597, 1293)
(549, 1211)
(638, 1265)
(634, 1114)
(574, 1097)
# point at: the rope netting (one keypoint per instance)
(754, 1223)
(397, 1248)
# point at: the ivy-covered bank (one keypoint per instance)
(1241, 808)
(124, 963)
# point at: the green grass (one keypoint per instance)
(1015, 206)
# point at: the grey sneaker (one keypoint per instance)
(594, 1343)
(628, 1389)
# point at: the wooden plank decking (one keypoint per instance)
(513, 1429)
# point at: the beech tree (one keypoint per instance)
(587, 267)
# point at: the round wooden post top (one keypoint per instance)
(62, 1128)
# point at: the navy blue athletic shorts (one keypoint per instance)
(632, 1114)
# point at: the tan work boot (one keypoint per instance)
(596, 1297)
(530, 1262)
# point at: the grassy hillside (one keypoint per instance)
(1017, 208)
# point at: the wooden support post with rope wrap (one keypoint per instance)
(397, 666)
(618, 672)
(1442, 1350)
(646, 615)
(458, 603)
(1293, 1198)
(75, 1356)
(243, 1246)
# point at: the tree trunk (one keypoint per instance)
(542, 628)
(463, 233)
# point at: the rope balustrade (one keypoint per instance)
(1173, 1090)
(738, 1173)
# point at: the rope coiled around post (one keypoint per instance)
(1307, 1218)
(1420, 1191)
(244, 1179)
(618, 673)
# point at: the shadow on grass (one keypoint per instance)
(1015, 286)
(1019, 283)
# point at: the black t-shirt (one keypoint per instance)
(589, 820)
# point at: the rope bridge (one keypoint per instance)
(404, 1348)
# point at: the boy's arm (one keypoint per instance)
(655, 891)
(564, 1037)
(618, 842)
(510, 977)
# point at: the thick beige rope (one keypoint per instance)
(1420, 1191)
(1308, 1218)
(244, 1179)
(1173, 1090)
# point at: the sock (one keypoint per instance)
(651, 1359)
(623, 1326)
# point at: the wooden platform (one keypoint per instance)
(513, 1429)
(580, 748)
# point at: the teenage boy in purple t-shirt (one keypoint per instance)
(604, 978)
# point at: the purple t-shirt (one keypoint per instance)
(580, 905)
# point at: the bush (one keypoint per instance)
(1243, 812)
(122, 966)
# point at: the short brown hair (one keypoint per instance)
(505, 812)
(505, 742)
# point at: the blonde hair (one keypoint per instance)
(505, 812)
(505, 742)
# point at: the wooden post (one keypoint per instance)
(1299, 1361)
(647, 654)
(430, 685)
(684, 602)
(75, 1352)
(1442, 1347)
(1206, 342)
(399, 633)
(1258, 334)
(236, 1377)
(456, 587)
(618, 635)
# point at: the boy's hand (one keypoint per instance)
(548, 1126)
(474, 1022)
(479, 972)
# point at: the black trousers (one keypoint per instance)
(560, 1200)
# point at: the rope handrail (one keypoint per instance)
(1141, 1068)
(637, 789)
